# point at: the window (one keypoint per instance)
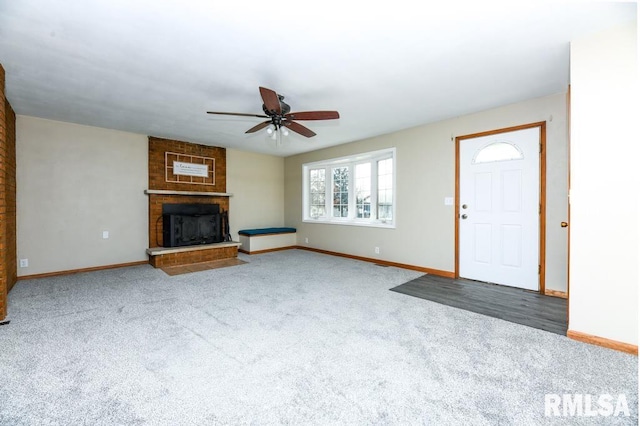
(497, 151)
(363, 190)
(385, 189)
(341, 192)
(355, 190)
(317, 193)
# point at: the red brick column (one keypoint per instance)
(8, 261)
(10, 200)
(3, 201)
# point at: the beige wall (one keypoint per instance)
(257, 184)
(425, 158)
(604, 185)
(76, 181)
(73, 182)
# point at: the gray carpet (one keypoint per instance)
(292, 337)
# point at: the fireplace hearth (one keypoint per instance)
(191, 224)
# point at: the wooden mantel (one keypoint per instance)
(187, 193)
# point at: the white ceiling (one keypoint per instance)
(155, 67)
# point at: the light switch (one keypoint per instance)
(448, 201)
(105, 234)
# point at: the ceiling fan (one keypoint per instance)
(279, 115)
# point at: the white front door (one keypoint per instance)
(499, 208)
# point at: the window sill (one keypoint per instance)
(352, 223)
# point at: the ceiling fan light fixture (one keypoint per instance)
(278, 114)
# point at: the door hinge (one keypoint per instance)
(539, 269)
(541, 148)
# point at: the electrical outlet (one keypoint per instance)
(306, 240)
(105, 234)
(24, 263)
(377, 250)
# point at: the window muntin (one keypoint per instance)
(358, 190)
(497, 151)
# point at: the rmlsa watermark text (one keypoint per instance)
(585, 405)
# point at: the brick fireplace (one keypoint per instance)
(185, 173)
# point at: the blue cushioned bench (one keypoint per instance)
(263, 231)
(262, 240)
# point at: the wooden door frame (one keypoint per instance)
(542, 125)
(568, 199)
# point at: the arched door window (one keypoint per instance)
(497, 151)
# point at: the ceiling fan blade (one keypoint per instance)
(298, 128)
(237, 113)
(270, 99)
(259, 126)
(313, 115)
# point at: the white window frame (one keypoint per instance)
(349, 161)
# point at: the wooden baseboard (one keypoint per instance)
(601, 341)
(76, 271)
(555, 293)
(437, 272)
(267, 250)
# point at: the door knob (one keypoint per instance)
(564, 224)
(464, 216)
(464, 206)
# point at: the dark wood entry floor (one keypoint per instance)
(508, 303)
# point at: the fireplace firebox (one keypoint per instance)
(191, 224)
